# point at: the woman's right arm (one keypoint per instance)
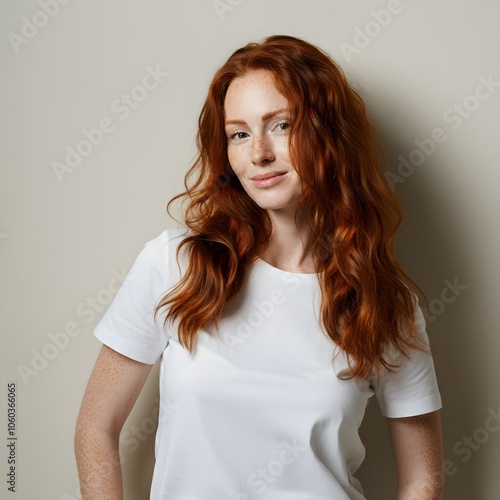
(112, 390)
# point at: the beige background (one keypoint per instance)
(66, 238)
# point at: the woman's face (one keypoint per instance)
(256, 125)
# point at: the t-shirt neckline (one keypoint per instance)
(280, 273)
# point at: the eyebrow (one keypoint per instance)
(264, 117)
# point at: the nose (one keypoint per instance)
(262, 151)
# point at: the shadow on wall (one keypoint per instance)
(435, 253)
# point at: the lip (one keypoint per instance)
(269, 179)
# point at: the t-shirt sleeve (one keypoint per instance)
(128, 325)
(412, 388)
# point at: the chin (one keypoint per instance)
(285, 207)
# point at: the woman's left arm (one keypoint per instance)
(418, 449)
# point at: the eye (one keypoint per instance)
(282, 125)
(237, 135)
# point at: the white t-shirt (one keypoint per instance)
(258, 413)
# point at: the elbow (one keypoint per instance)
(81, 440)
(91, 435)
(426, 488)
(95, 445)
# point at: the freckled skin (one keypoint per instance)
(112, 390)
(418, 449)
(262, 146)
(259, 144)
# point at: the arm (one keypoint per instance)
(418, 450)
(112, 390)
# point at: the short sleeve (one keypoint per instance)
(412, 389)
(128, 325)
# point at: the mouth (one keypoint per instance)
(269, 179)
(267, 176)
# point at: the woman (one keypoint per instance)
(277, 313)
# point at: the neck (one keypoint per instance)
(289, 243)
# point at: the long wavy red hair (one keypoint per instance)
(368, 301)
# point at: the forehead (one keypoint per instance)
(254, 87)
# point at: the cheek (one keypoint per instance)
(282, 151)
(235, 160)
(231, 156)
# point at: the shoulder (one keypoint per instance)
(159, 256)
(164, 246)
(167, 238)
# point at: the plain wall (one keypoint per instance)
(68, 235)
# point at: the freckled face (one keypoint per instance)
(256, 123)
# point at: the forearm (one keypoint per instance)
(98, 463)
